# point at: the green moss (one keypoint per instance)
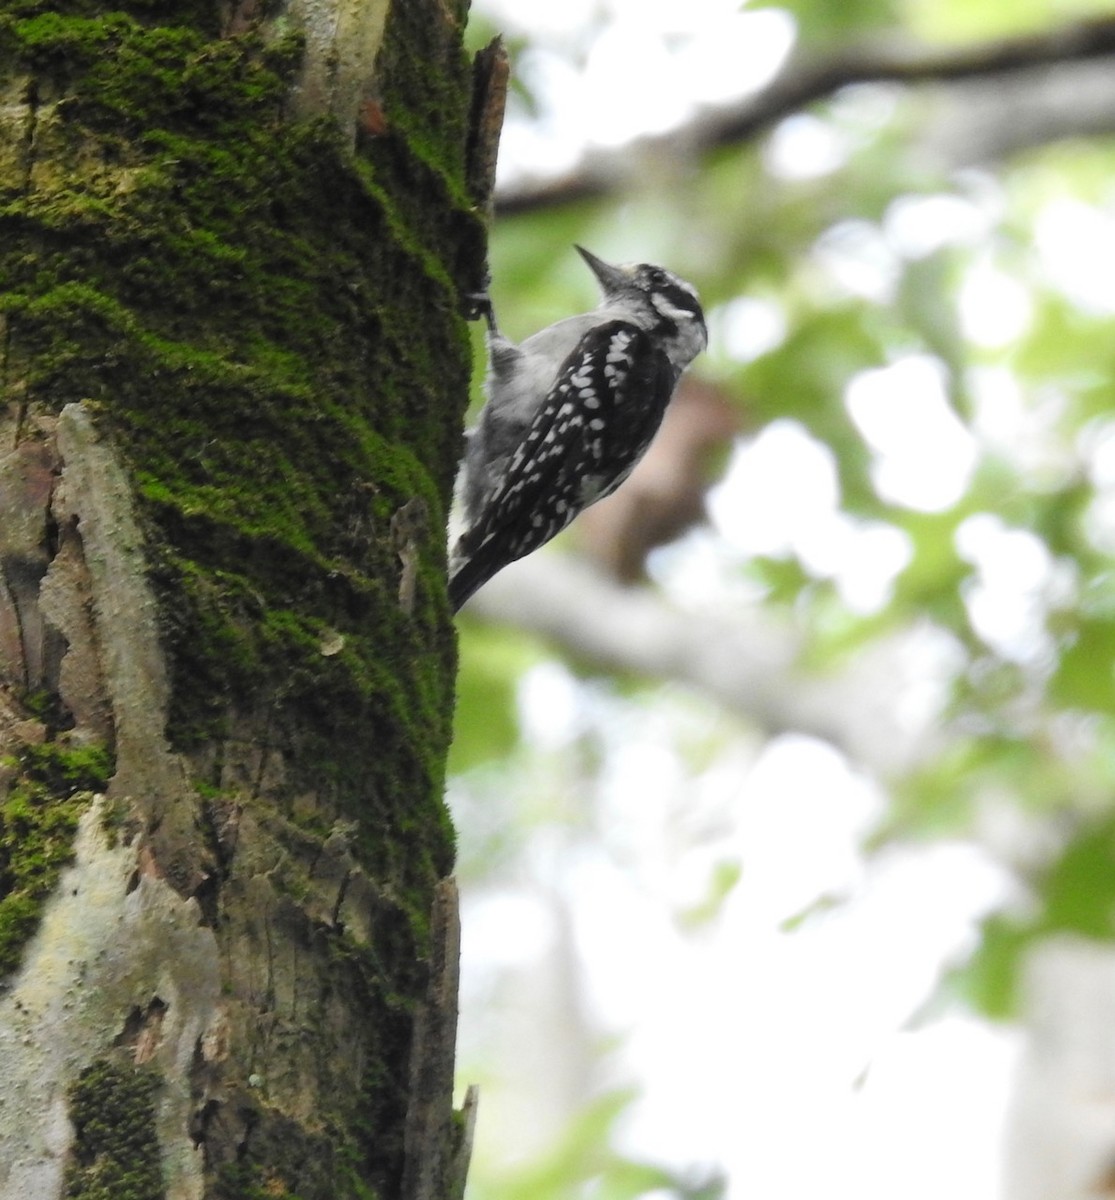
(53, 786)
(337, 338)
(72, 23)
(64, 769)
(248, 1181)
(115, 1153)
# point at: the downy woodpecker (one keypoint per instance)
(570, 411)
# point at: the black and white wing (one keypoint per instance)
(593, 427)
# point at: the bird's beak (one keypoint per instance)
(611, 279)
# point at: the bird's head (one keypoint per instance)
(658, 300)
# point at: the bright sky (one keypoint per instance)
(756, 1041)
(790, 1059)
(707, 50)
(749, 1039)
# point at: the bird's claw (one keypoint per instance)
(479, 304)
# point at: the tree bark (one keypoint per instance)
(233, 238)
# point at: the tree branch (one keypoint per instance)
(804, 82)
(747, 659)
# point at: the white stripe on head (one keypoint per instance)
(671, 311)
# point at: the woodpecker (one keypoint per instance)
(569, 413)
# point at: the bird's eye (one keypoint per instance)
(656, 276)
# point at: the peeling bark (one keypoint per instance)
(120, 961)
(121, 958)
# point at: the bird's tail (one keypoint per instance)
(468, 578)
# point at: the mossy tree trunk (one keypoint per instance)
(233, 241)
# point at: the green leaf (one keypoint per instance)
(821, 21)
(1085, 675)
(931, 580)
(485, 725)
(988, 981)
(965, 20)
(937, 800)
(783, 579)
(805, 376)
(1076, 895)
(722, 882)
(1079, 890)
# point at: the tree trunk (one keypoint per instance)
(1060, 1141)
(233, 239)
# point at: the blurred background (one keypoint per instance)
(785, 779)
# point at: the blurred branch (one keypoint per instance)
(803, 82)
(982, 120)
(747, 660)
